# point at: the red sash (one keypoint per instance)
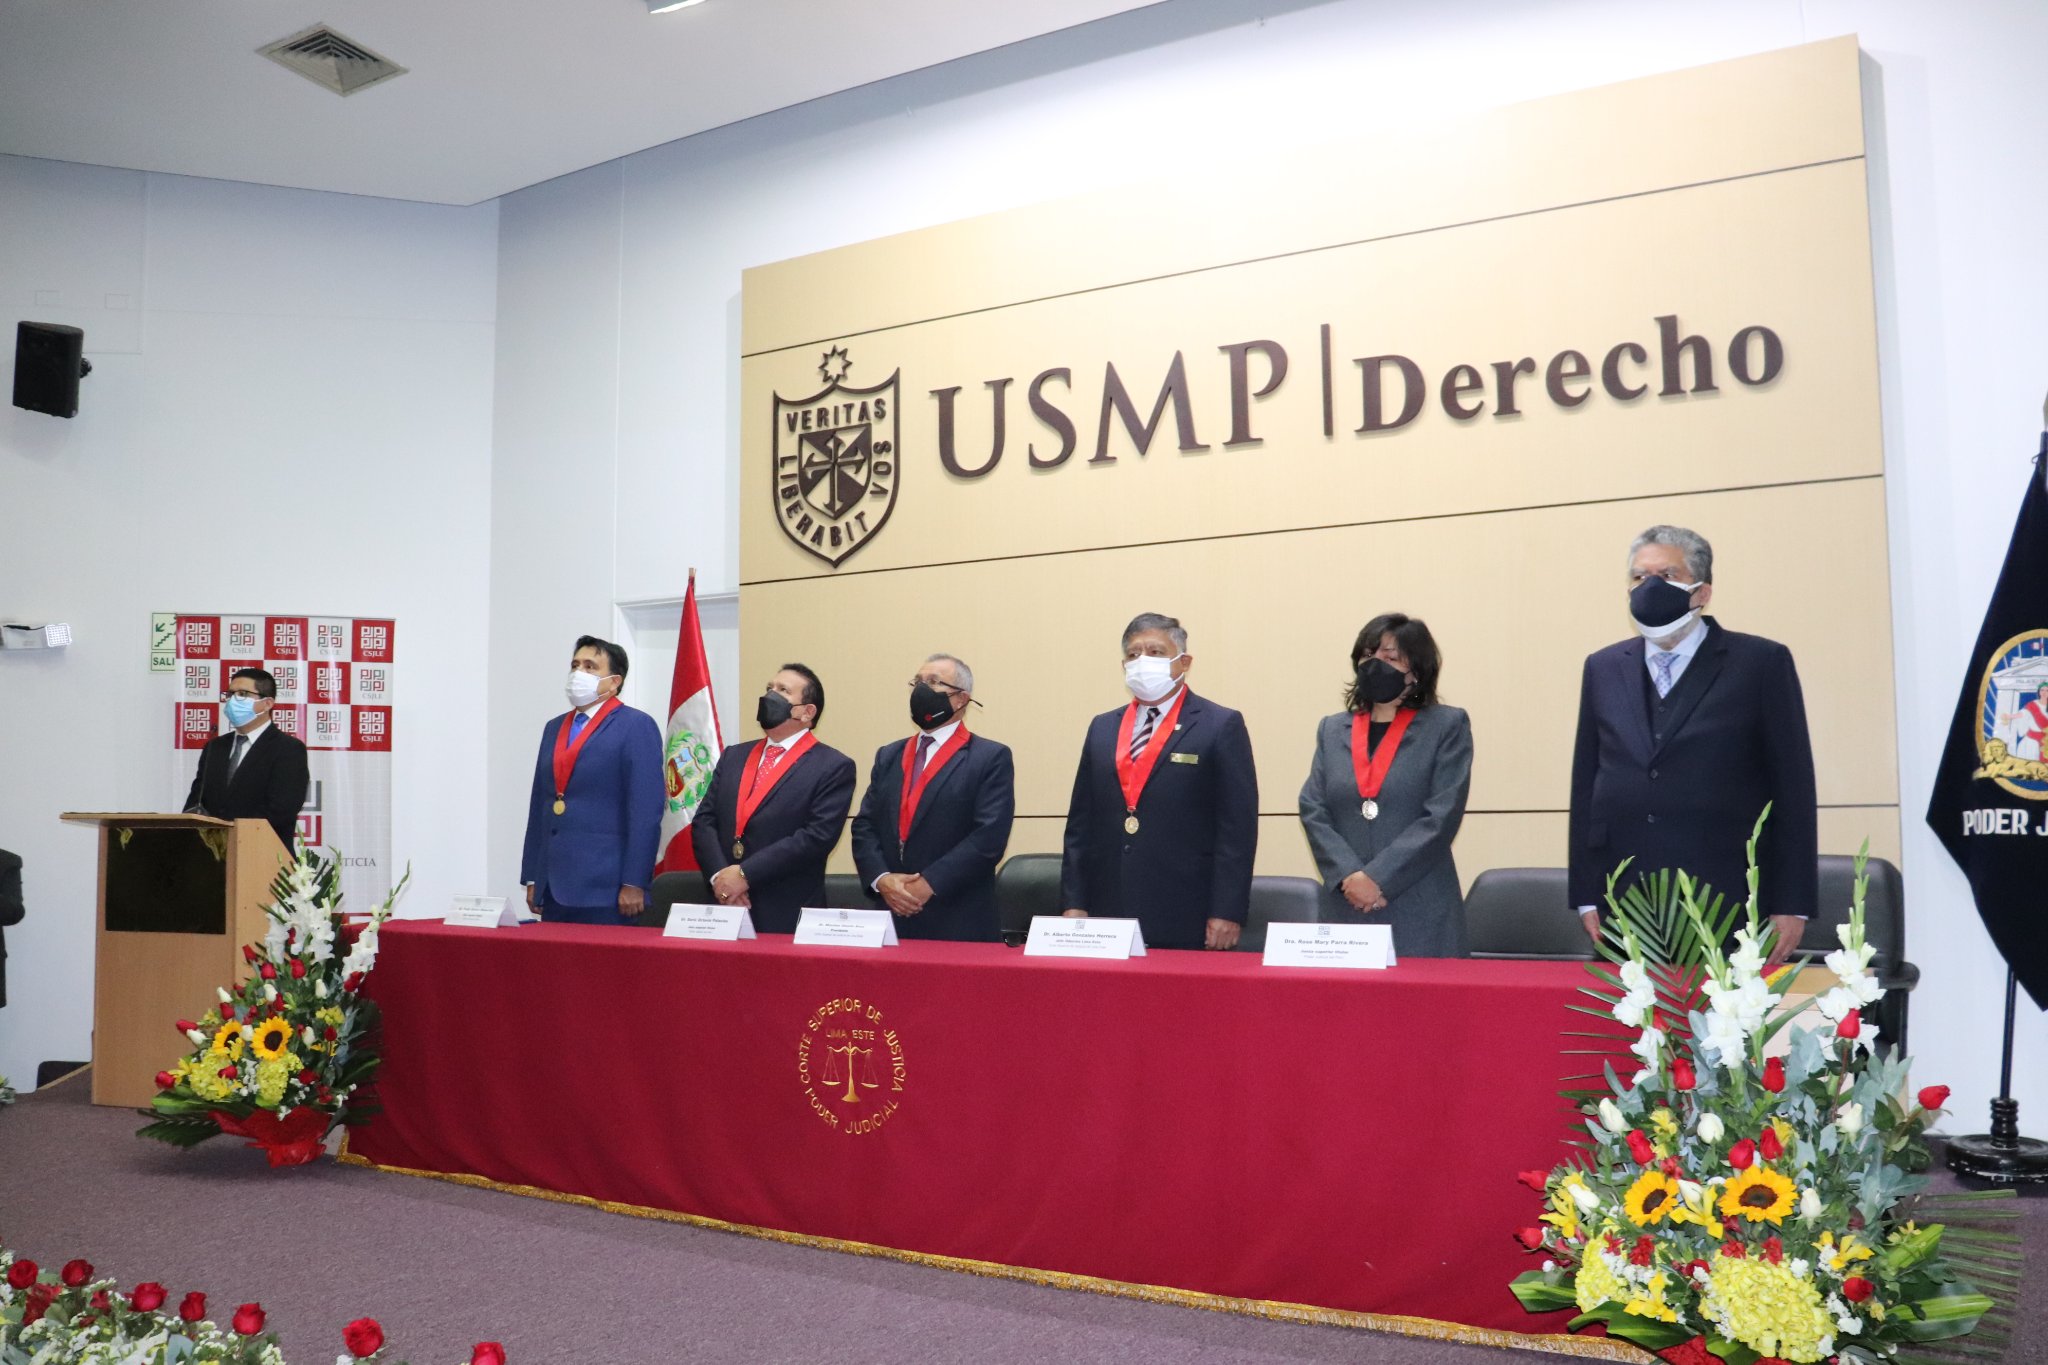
(753, 791)
(1372, 774)
(1132, 776)
(906, 810)
(567, 750)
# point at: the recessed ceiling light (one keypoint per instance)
(664, 6)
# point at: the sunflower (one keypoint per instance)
(1759, 1194)
(228, 1041)
(273, 1036)
(1651, 1199)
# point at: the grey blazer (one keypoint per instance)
(1407, 850)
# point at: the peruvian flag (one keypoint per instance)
(693, 741)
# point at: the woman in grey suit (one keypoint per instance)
(1386, 794)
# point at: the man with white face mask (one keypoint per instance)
(593, 825)
(1686, 733)
(1164, 819)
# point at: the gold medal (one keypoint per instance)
(1130, 824)
(1370, 810)
(739, 850)
(561, 806)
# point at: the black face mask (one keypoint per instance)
(1655, 602)
(1380, 682)
(929, 707)
(771, 710)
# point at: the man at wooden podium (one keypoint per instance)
(255, 771)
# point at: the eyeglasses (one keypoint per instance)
(933, 682)
(245, 696)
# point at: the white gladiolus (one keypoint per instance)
(1611, 1119)
(1747, 961)
(1850, 1120)
(1710, 1127)
(1640, 997)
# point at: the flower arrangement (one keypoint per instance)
(282, 1058)
(6, 1091)
(1731, 1208)
(74, 1317)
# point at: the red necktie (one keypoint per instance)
(770, 758)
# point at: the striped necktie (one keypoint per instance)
(1663, 661)
(1143, 731)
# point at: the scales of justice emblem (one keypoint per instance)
(836, 469)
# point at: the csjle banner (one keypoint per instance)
(334, 693)
(1990, 801)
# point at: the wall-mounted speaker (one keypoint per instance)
(49, 360)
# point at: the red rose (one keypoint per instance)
(255, 1013)
(1856, 1289)
(1642, 1252)
(1933, 1097)
(1682, 1076)
(363, 1337)
(249, 1319)
(298, 970)
(249, 953)
(1767, 1143)
(166, 1081)
(267, 972)
(38, 1303)
(186, 1026)
(307, 1078)
(1742, 1154)
(487, 1353)
(75, 1272)
(1639, 1147)
(99, 1302)
(22, 1274)
(194, 1307)
(329, 1034)
(1774, 1074)
(227, 1011)
(1851, 1025)
(227, 1073)
(1774, 1250)
(1531, 1238)
(146, 1297)
(1535, 1180)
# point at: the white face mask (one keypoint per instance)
(582, 688)
(1150, 678)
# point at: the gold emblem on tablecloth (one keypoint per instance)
(850, 1064)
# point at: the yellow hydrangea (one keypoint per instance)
(272, 1076)
(1596, 1283)
(1767, 1308)
(205, 1078)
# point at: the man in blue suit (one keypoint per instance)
(1685, 734)
(1164, 820)
(593, 825)
(933, 859)
(775, 807)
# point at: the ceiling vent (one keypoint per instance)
(327, 59)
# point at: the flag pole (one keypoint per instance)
(2002, 1155)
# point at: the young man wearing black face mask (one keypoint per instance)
(775, 808)
(937, 814)
(1685, 734)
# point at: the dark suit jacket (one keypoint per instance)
(269, 783)
(1198, 829)
(793, 830)
(611, 832)
(957, 837)
(10, 909)
(1679, 784)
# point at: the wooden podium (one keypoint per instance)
(179, 896)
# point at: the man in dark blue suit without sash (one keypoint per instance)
(593, 824)
(940, 878)
(1685, 735)
(775, 808)
(1178, 859)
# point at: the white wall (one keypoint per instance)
(289, 410)
(626, 279)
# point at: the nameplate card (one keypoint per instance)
(847, 928)
(1058, 936)
(482, 912)
(1329, 945)
(718, 923)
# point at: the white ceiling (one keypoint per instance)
(499, 94)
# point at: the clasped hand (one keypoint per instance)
(1363, 893)
(906, 893)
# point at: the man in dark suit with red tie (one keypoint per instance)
(1164, 820)
(255, 771)
(775, 807)
(593, 824)
(937, 814)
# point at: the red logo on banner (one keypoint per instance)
(373, 728)
(330, 684)
(309, 830)
(288, 718)
(195, 725)
(287, 635)
(228, 668)
(373, 642)
(199, 637)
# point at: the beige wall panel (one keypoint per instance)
(1786, 251)
(1794, 107)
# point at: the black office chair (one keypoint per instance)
(1280, 900)
(1884, 928)
(843, 891)
(1027, 884)
(674, 888)
(1524, 912)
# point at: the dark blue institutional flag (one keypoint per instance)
(1990, 801)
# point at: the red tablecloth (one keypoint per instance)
(1336, 1138)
